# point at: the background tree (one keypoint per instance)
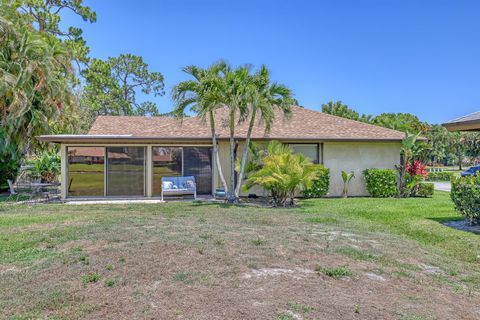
(34, 89)
(45, 16)
(37, 76)
(438, 140)
(471, 141)
(400, 121)
(112, 85)
(342, 110)
(456, 146)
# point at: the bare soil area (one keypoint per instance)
(204, 261)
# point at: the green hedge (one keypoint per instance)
(320, 185)
(465, 195)
(381, 183)
(425, 189)
(439, 176)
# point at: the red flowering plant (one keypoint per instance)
(417, 169)
(417, 172)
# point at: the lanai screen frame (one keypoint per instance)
(148, 166)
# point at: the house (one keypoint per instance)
(125, 156)
(470, 122)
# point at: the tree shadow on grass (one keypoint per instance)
(442, 220)
(458, 223)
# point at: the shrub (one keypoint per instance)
(46, 166)
(9, 162)
(425, 189)
(381, 183)
(8, 170)
(283, 173)
(417, 169)
(439, 176)
(465, 195)
(320, 185)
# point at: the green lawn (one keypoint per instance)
(418, 219)
(330, 258)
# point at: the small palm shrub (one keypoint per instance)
(465, 195)
(381, 183)
(320, 185)
(283, 174)
(346, 178)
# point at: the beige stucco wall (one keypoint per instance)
(224, 153)
(357, 156)
(337, 156)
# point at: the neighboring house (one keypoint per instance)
(470, 122)
(126, 156)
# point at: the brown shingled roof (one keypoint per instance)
(304, 124)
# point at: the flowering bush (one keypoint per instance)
(417, 169)
(417, 172)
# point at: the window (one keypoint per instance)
(309, 150)
(125, 171)
(167, 162)
(86, 167)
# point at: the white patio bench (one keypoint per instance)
(179, 186)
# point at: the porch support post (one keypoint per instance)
(149, 172)
(63, 171)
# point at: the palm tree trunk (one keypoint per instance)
(245, 153)
(231, 192)
(460, 156)
(215, 152)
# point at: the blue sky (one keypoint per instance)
(416, 56)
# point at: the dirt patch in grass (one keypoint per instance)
(194, 261)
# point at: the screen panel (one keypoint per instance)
(125, 171)
(86, 166)
(167, 162)
(198, 163)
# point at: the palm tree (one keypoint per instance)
(234, 92)
(263, 97)
(35, 72)
(346, 178)
(201, 96)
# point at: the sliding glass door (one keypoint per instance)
(125, 171)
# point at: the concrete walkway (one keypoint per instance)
(113, 201)
(443, 186)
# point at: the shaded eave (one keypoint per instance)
(470, 125)
(118, 139)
